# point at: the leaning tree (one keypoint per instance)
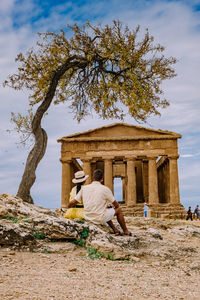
(107, 70)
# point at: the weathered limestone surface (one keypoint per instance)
(187, 231)
(21, 224)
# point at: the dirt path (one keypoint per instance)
(73, 275)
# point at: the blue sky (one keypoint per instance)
(174, 24)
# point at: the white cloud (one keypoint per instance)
(6, 6)
(187, 155)
(190, 155)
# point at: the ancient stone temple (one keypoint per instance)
(145, 159)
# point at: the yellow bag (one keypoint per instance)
(75, 213)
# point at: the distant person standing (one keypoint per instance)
(197, 212)
(146, 208)
(189, 214)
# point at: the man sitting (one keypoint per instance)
(96, 199)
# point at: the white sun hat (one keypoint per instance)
(79, 177)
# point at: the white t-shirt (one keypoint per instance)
(95, 198)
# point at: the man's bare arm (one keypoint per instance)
(72, 203)
(115, 204)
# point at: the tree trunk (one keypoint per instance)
(34, 157)
(39, 149)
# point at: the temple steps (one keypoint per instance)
(157, 211)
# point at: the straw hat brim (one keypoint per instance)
(80, 180)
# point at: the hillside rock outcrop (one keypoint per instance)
(27, 226)
(24, 224)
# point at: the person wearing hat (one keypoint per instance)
(79, 180)
(78, 212)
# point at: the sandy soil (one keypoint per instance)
(73, 275)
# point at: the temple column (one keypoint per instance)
(152, 181)
(131, 185)
(87, 169)
(108, 173)
(66, 182)
(174, 197)
(145, 180)
(166, 180)
(124, 189)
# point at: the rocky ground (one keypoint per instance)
(37, 261)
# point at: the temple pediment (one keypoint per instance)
(121, 131)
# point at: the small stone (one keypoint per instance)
(156, 264)
(195, 266)
(166, 263)
(44, 256)
(81, 254)
(72, 269)
(136, 259)
(155, 233)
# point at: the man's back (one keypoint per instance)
(95, 198)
